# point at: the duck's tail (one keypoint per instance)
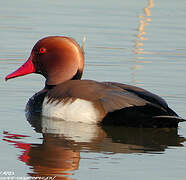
(175, 118)
(168, 121)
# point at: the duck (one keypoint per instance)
(66, 96)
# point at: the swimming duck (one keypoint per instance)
(65, 96)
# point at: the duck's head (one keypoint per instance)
(57, 58)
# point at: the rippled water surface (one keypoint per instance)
(136, 42)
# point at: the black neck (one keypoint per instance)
(49, 86)
(77, 75)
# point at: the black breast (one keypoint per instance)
(34, 104)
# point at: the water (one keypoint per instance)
(141, 43)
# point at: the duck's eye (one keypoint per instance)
(42, 50)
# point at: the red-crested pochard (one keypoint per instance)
(61, 61)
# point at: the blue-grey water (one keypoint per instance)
(136, 42)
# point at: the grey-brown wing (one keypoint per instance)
(151, 98)
(110, 97)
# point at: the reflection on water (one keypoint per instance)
(139, 46)
(144, 21)
(59, 153)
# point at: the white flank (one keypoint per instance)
(78, 111)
